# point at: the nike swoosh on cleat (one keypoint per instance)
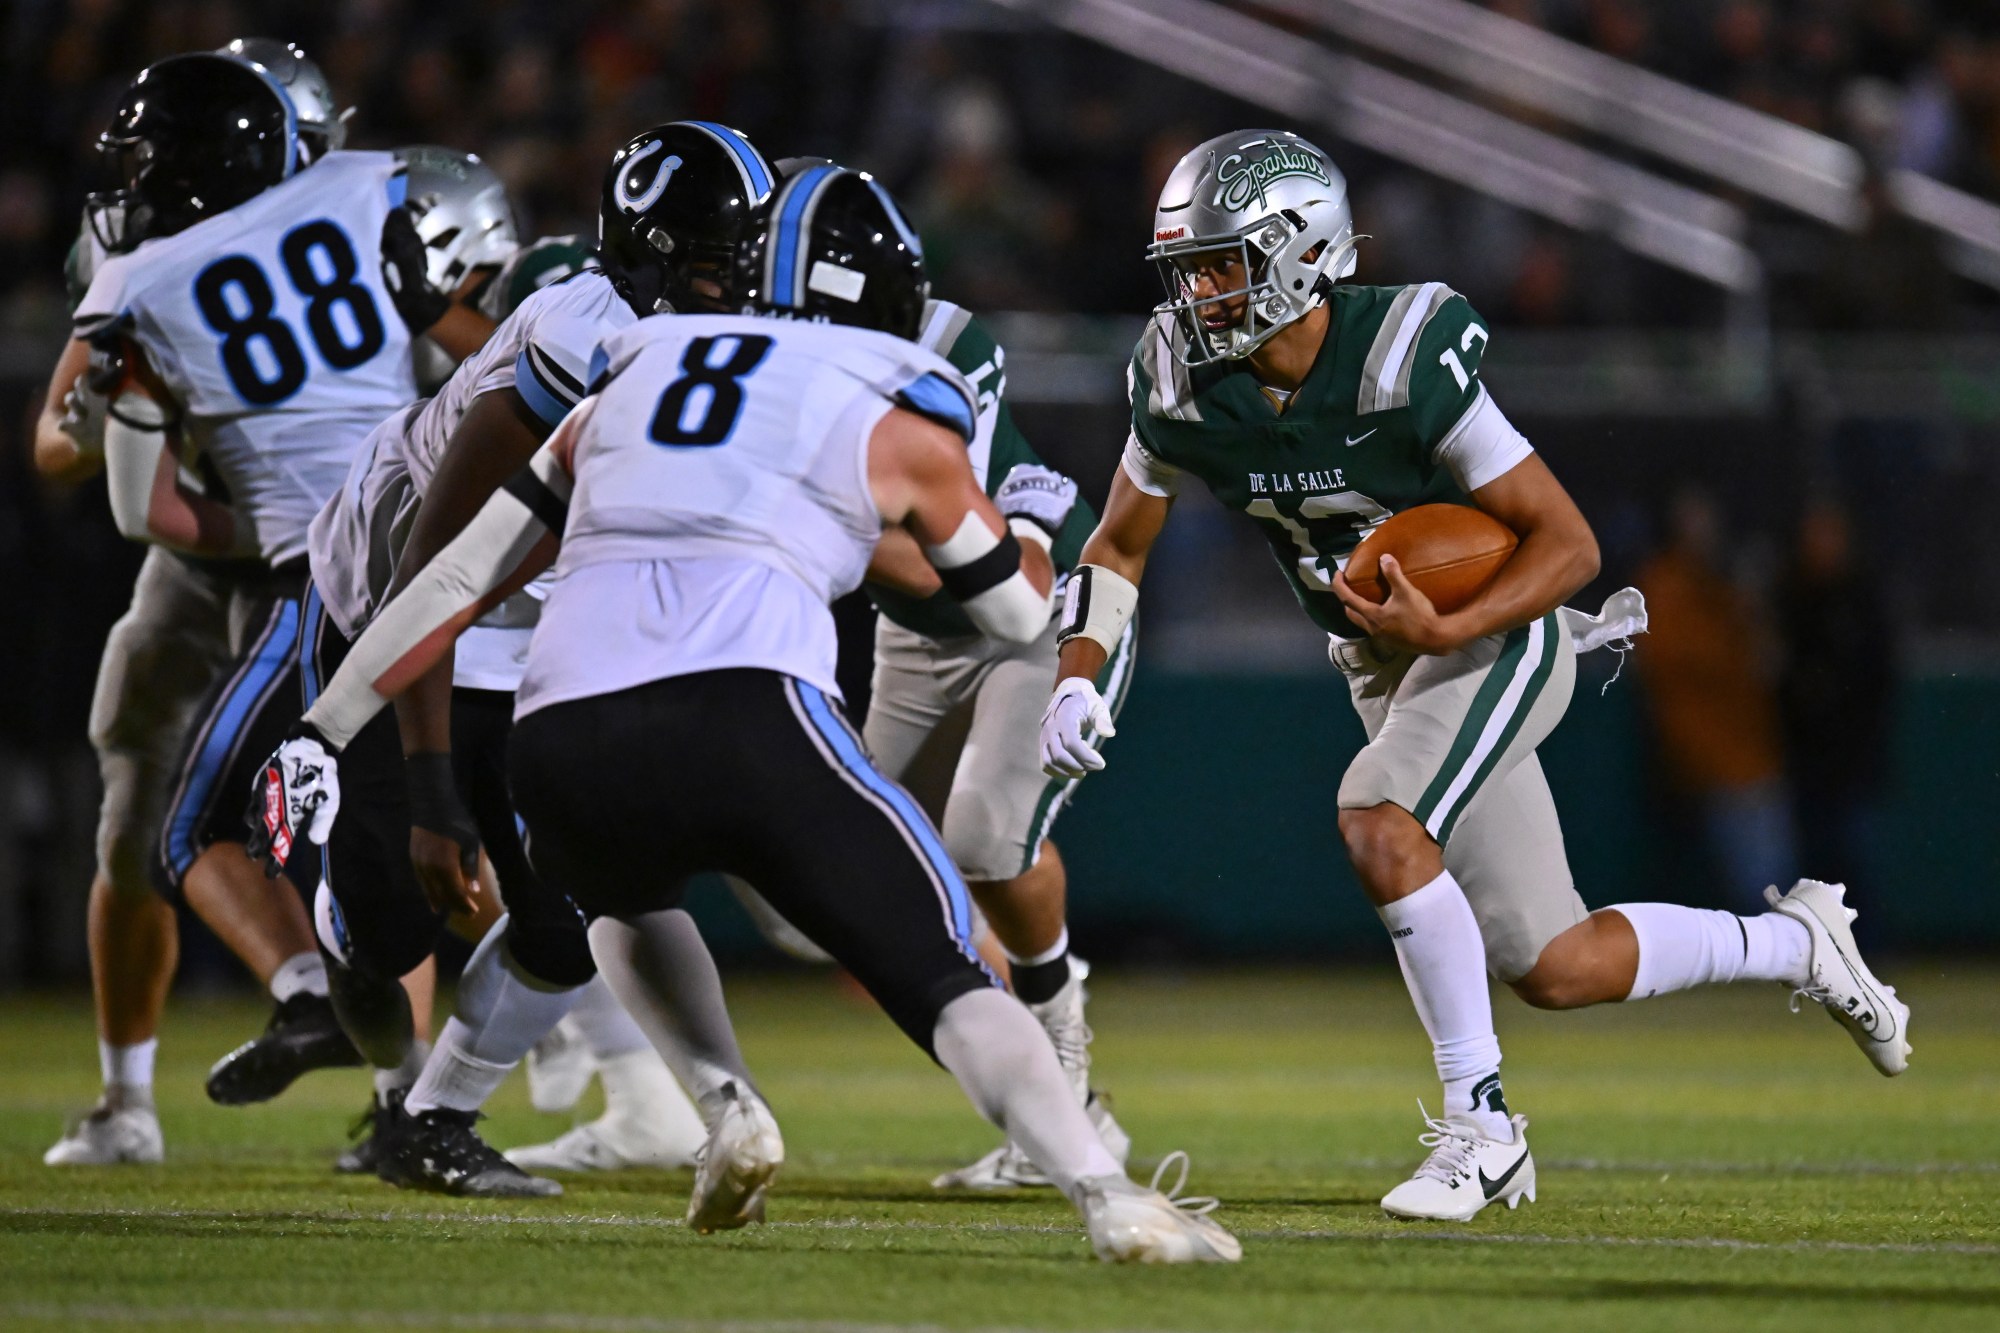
(1353, 440)
(1493, 1187)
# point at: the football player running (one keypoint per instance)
(728, 478)
(419, 806)
(211, 136)
(1319, 410)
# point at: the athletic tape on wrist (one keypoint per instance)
(1097, 605)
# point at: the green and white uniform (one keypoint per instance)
(954, 715)
(1391, 415)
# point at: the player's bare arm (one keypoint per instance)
(899, 563)
(462, 330)
(68, 446)
(1556, 557)
(1120, 543)
(921, 480)
(1102, 597)
(514, 537)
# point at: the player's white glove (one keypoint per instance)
(298, 787)
(1076, 717)
(1041, 495)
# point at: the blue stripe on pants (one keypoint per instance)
(227, 723)
(903, 809)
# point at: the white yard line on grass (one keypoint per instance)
(586, 1323)
(1392, 1234)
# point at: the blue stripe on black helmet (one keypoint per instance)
(831, 245)
(674, 202)
(194, 136)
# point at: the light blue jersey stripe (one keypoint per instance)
(267, 662)
(856, 761)
(537, 395)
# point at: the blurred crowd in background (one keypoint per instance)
(1031, 161)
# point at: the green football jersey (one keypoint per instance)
(1357, 441)
(531, 268)
(957, 335)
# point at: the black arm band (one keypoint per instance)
(989, 571)
(548, 507)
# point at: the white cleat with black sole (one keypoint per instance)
(742, 1155)
(1130, 1223)
(1839, 981)
(110, 1136)
(1465, 1171)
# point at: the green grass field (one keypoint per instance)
(1709, 1162)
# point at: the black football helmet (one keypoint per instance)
(831, 245)
(675, 200)
(194, 136)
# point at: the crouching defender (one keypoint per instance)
(728, 479)
(402, 856)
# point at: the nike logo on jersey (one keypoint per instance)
(1493, 1187)
(1353, 440)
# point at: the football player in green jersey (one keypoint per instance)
(1319, 410)
(951, 717)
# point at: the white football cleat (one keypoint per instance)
(1131, 1223)
(1837, 979)
(559, 1069)
(743, 1153)
(1061, 1016)
(605, 1144)
(1465, 1171)
(110, 1136)
(1008, 1168)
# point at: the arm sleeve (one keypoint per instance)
(453, 590)
(1483, 445)
(1147, 471)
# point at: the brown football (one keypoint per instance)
(1449, 551)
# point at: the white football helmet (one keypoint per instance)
(1274, 204)
(322, 126)
(461, 211)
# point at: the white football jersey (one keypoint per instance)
(274, 330)
(722, 499)
(543, 352)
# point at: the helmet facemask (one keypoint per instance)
(1286, 267)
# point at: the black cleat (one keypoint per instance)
(371, 1134)
(303, 1035)
(439, 1150)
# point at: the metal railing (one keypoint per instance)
(1459, 140)
(1760, 154)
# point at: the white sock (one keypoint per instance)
(503, 1012)
(128, 1071)
(1681, 947)
(453, 1077)
(1003, 1060)
(404, 1074)
(1048, 955)
(1444, 965)
(640, 1094)
(602, 1022)
(301, 972)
